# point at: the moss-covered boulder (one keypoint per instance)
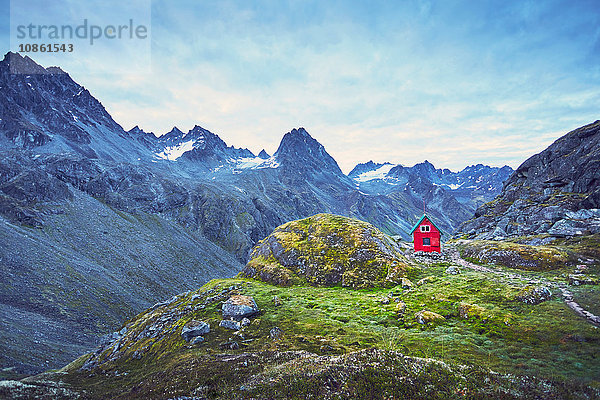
(426, 317)
(534, 295)
(466, 310)
(327, 250)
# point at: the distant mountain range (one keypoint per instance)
(97, 222)
(472, 186)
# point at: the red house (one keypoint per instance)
(426, 235)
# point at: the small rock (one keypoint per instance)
(428, 317)
(400, 308)
(193, 329)
(195, 297)
(534, 295)
(275, 333)
(238, 307)
(427, 279)
(466, 310)
(230, 324)
(230, 344)
(245, 322)
(406, 283)
(452, 270)
(239, 334)
(580, 279)
(197, 340)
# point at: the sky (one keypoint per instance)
(454, 82)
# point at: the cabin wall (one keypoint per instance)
(434, 236)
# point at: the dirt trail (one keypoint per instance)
(455, 257)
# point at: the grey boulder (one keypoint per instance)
(194, 329)
(230, 324)
(452, 270)
(238, 307)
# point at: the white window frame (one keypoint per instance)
(425, 228)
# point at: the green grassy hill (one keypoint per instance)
(433, 335)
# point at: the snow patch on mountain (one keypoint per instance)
(255, 163)
(455, 186)
(174, 152)
(379, 173)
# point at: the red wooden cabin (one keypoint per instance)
(426, 236)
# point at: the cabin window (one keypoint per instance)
(426, 241)
(425, 228)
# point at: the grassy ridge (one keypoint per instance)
(374, 335)
(484, 325)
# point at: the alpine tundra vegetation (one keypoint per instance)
(475, 334)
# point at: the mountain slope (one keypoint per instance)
(43, 108)
(87, 269)
(74, 266)
(556, 192)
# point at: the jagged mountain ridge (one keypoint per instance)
(556, 192)
(471, 186)
(199, 159)
(197, 144)
(43, 108)
(63, 158)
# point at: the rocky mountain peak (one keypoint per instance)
(173, 133)
(263, 154)
(136, 130)
(424, 166)
(298, 140)
(148, 139)
(205, 139)
(299, 150)
(45, 107)
(15, 63)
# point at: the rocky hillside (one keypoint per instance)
(556, 192)
(448, 330)
(43, 108)
(327, 250)
(74, 266)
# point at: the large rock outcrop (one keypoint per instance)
(556, 191)
(327, 250)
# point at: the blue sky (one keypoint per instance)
(453, 82)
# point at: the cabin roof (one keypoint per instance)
(421, 220)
